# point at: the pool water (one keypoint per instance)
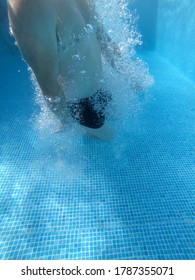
(64, 195)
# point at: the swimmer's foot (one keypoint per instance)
(105, 133)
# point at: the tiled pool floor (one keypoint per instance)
(65, 196)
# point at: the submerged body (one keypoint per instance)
(62, 42)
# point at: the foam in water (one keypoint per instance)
(131, 74)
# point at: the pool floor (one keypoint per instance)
(66, 196)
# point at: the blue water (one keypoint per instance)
(66, 196)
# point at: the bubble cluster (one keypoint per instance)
(130, 74)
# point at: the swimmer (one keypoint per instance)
(62, 41)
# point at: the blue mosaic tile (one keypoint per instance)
(67, 197)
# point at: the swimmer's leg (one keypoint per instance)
(37, 41)
(38, 46)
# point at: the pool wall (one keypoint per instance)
(168, 26)
(146, 12)
(175, 38)
(4, 33)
